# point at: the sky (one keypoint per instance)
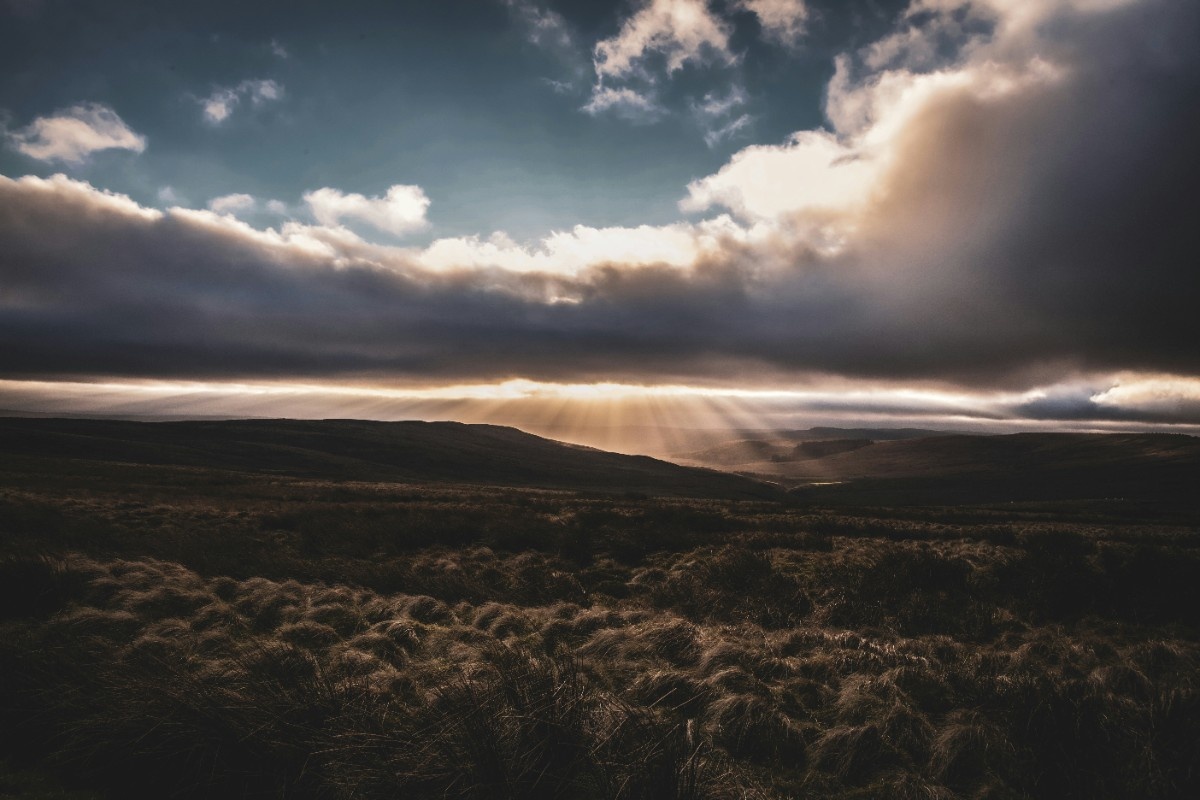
(974, 214)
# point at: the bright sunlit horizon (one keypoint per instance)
(650, 419)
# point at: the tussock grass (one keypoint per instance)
(480, 644)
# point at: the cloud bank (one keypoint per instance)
(1015, 210)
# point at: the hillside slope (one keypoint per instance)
(444, 452)
(1025, 466)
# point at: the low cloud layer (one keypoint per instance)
(1015, 210)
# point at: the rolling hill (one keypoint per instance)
(413, 452)
(1015, 467)
(915, 467)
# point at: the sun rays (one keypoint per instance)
(661, 420)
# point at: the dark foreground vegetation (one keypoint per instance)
(202, 631)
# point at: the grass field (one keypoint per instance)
(212, 631)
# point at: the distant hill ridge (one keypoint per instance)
(950, 454)
(915, 467)
(444, 452)
(1020, 466)
(874, 434)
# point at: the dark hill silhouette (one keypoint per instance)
(414, 452)
(732, 454)
(823, 448)
(738, 454)
(1023, 466)
(874, 434)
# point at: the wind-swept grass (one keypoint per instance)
(291, 638)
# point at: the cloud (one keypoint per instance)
(231, 203)
(219, 105)
(678, 31)
(72, 134)
(782, 20)
(715, 135)
(543, 26)
(662, 35)
(1014, 214)
(574, 252)
(715, 105)
(813, 170)
(278, 50)
(402, 210)
(549, 31)
(626, 103)
(1124, 398)
(718, 114)
(168, 195)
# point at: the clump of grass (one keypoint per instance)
(752, 728)
(925, 686)
(672, 691)
(309, 634)
(427, 609)
(521, 725)
(855, 753)
(731, 583)
(968, 749)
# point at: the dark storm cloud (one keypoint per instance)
(1070, 212)
(122, 291)
(1020, 236)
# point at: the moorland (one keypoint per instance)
(342, 609)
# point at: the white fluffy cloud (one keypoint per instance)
(232, 203)
(875, 101)
(583, 247)
(402, 210)
(661, 34)
(664, 36)
(219, 105)
(811, 171)
(72, 134)
(680, 31)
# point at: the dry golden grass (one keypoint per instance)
(306, 639)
